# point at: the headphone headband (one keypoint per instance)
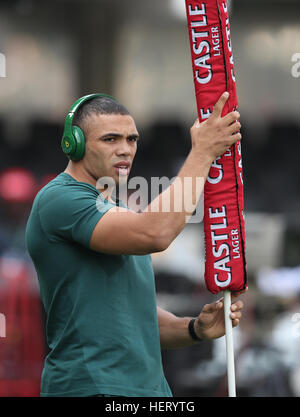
(78, 103)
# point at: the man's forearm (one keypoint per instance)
(173, 331)
(181, 196)
(210, 139)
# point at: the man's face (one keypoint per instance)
(111, 144)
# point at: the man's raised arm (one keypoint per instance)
(121, 231)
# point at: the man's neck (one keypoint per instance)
(81, 175)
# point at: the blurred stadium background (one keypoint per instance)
(138, 51)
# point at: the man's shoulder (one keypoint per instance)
(64, 186)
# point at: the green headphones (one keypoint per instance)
(73, 140)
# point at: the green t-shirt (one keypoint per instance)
(102, 327)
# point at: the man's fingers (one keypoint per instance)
(236, 315)
(231, 117)
(234, 138)
(210, 308)
(219, 304)
(233, 128)
(238, 305)
(219, 106)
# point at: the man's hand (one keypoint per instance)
(212, 138)
(210, 323)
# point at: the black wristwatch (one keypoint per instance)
(192, 331)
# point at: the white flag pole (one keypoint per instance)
(229, 345)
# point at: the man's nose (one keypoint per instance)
(124, 149)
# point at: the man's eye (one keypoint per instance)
(109, 139)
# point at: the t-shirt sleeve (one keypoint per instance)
(71, 213)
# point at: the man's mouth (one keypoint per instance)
(122, 168)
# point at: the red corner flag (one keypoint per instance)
(213, 70)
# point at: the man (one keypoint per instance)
(91, 253)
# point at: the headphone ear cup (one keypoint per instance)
(79, 139)
(68, 145)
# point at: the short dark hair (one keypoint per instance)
(98, 105)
